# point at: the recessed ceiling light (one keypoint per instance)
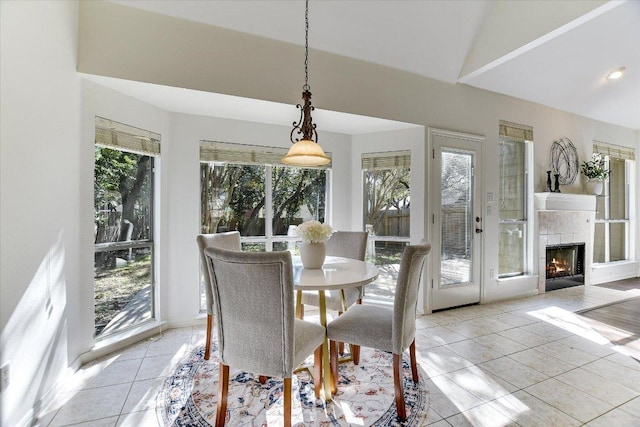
(616, 74)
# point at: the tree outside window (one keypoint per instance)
(123, 272)
(235, 197)
(386, 216)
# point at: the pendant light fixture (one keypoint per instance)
(305, 150)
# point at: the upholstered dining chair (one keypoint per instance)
(229, 240)
(385, 328)
(346, 244)
(257, 329)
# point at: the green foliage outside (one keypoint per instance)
(233, 197)
(122, 191)
(122, 207)
(386, 191)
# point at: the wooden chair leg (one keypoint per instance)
(299, 306)
(333, 353)
(317, 371)
(207, 350)
(398, 386)
(355, 353)
(414, 364)
(223, 389)
(287, 402)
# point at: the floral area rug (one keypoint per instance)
(365, 395)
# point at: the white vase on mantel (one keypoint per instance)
(312, 255)
(595, 187)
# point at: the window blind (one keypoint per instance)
(515, 131)
(614, 151)
(123, 137)
(386, 160)
(227, 152)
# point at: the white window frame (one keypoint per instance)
(521, 134)
(628, 222)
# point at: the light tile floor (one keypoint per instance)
(527, 362)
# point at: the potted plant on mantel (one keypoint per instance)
(595, 172)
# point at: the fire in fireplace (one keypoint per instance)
(564, 266)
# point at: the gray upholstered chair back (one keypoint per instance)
(254, 306)
(229, 241)
(406, 298)
(347, 244)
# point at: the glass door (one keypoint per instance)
(456, 220)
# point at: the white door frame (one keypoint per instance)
(434, 202)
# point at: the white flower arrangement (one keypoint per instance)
(314, 232)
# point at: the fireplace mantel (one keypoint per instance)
(564, 202)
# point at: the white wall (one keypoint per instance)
(40, 176)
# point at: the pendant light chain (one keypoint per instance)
(306, 48)
(305, 151)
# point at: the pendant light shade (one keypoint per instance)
(306, 153)
(305, 150)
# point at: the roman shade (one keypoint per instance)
(515, 131)
(112, 134)
(614, 151)
(386, 160)
(227, 152)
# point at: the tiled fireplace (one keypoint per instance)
(565, 226)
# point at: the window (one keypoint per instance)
(612, 227)
(514, 194)
(387, 213)
(246, 188)
(123, 214)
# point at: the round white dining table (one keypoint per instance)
(337, 273)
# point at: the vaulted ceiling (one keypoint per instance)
(555, 53)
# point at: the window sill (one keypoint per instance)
(603, 265)
(123, 339)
